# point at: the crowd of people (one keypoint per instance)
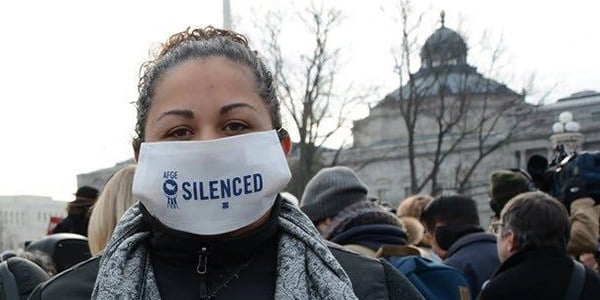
(203, 214)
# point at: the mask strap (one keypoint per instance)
(282, 133)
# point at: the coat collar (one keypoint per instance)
(469, 239)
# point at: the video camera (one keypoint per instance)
(573, 171)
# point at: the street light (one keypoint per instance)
(565, 123)
(565, 117)
(566, 132)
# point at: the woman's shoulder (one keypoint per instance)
(76, 282)
(368, 275)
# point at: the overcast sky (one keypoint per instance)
(69, 68)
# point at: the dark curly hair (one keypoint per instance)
(200, 43)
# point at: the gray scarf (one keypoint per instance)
(305, 267)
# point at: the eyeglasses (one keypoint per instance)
(496, 227)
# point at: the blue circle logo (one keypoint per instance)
(170, 187)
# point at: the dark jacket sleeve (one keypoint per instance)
(72, 284)
(36, 294)
(373, 279)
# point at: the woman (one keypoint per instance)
(211, 161)
(113, 201)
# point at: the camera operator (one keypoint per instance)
(575, 181)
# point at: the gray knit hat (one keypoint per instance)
(330, 191)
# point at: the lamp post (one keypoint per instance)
(226, 14)
(566, 132)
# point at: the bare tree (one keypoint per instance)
(449, 109)
(313, 99)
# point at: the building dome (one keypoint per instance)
(444, 47)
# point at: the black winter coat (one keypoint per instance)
(371, 279)
(537, 274)
(73, 224)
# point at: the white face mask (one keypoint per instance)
(211, 187)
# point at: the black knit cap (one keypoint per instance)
(364, 213)
(330, 191)
(87, 192)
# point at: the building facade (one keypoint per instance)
(445, 81)
(26, 218)
(98, 178)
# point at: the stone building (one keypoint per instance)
(98, 178)
(445, 80)
(26, 218)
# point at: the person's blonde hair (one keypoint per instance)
(413, 206)
(115, 199)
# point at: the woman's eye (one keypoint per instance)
(235, 127)
(179, 133)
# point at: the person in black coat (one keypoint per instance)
(78, 212)
(532, 242)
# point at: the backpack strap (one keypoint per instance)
(576, 283)
(7, 283)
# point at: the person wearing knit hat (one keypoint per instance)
(505, 184)
(365, 227)
(329, 192)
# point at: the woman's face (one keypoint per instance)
(204, 99)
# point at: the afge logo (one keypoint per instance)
(170, 188)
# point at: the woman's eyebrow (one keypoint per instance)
(188, 114)
(229, 107)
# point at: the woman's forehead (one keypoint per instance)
(207, 71)
(214, 84)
